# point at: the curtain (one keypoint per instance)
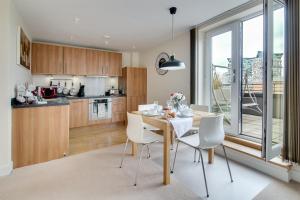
(193, 45)
(291, 144)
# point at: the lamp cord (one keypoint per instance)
(172, 27)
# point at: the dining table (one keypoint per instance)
(166, 127)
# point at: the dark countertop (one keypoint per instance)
(60, 101)
(52, 102)
(94, 97)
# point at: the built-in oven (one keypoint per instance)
(99, 109)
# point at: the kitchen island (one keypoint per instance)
(40, 132)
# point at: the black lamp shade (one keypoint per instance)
(172, 64)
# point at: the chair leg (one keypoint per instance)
(138, 167)
(172, 170)
(203, 172)
(227, 163)
(199, 158)
(195, 155)
(124, 152)
(148, 150)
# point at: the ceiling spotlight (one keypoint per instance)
(106, 36)
(76, 20)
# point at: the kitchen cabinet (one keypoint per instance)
(104, 62)
(47, 59)
(92, 62)
(118, 109)
(79, 113)
(134, 82)
(74, 61)
(115, 64)
(57, 59)
(39, 134)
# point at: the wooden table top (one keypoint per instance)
(197, 116)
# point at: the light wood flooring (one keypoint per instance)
(90, 138)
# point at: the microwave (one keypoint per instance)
(49, 92)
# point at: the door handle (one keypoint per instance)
(233, 77)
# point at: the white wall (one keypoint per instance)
(5, 130)
(18, 74)
(160, 87)
(130, 59)
(10, 75)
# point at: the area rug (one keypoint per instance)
(89, 176)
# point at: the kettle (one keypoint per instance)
(81, 91)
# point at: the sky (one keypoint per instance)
(252, 39)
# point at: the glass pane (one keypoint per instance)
(252, 78)
(221, 75)
(278, 73)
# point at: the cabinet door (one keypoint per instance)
(104, 62)
(118, 109)
(47, 59)
(92, 62)
(118, 117)
(79, 113)
(39, 134)
(74, 61)
(115, 64)
(136, 81)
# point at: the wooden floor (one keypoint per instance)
(95, 137)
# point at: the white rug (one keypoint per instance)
(92, 175)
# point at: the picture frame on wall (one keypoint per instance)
(23, 49)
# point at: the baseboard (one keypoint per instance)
(258, 164)
(6, 169)
(295, 173)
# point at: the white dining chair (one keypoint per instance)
(137, 134)
(147, 107)
(210, 135)
(195, 127)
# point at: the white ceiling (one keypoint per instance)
(139, 23)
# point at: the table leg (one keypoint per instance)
(211, 155)
(166, 161)
(133, 148)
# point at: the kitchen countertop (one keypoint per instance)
(94, 97)
(52, 102)
(60, 101)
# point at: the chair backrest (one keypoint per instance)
(146, 107)
(135, 128)
(211, 131)
(199, 107)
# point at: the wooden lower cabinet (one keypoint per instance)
(40, 134)
(79, 113)
(118, 109)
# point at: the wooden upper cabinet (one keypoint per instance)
(115, 64)
(74, 61)
(92, 62)
(104, 62)
(47, 59)
(56, 59)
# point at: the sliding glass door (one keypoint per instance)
(275, 46)
(245, 62)
(223, 71)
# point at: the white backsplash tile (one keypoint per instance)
(93, 85)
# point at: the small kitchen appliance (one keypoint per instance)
(49, 92)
